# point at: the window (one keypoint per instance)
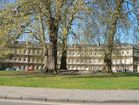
(28, 51)
(24, 51)
(69, 53)
(122, 52)
(31, 51)
(78, 53)
(73, 53)
(40, 52)
(78, 61)
(99, 60)
(92, 53)
(128, 52)
(60, 53)
(32, 60)
(68, 60)
(18, 51)
(40, 60)
(36, 51)
(91, 61)
(19, 59)
(81, 60)
(87, 61)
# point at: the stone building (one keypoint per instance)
(24, 55)
(79, 57)
(90, 57)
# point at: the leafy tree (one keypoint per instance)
(6, 27)
(113, 22)
(51, 15)
(71, 14)
(51, 19)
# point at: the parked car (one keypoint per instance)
(1, 69)
(30, 68)
(11, 69)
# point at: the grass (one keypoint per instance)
(31, 79)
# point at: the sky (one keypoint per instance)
(126, 35)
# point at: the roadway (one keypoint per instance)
(14, 102)
(69, 95)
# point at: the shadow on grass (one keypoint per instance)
(133, 88)
(71, 75)
(106, 75)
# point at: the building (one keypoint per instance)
(24, 55)
(90, 57)
(79, 57)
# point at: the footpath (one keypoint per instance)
(69, 95)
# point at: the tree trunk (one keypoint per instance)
(54, 53)
(53, 42)
(53, 20)
(63, 64)
(43, 43)
(45, 59)
(111, 34)
(108, 62)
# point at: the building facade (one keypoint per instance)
(24, 55)
(124, 58)
(85, 57)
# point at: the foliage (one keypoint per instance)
(53, 17)
(112, 23)
(55, 21)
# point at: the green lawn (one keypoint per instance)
(28, 79)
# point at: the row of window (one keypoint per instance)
(27, 59)
(83, 53)
(122, 68)
(94, 68)
(123, 61)
(35, 67)
(28, 51)
(98, 68)
(98, 53)
(122, 52)
(70, 61)
(98, 61)
(70, 53)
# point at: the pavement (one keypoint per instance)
(69, 95)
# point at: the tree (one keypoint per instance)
(56, 17)
(110, 35)
(48, 14)
(105, 18)
(72, 12)
(114, 21)
(6, 27)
